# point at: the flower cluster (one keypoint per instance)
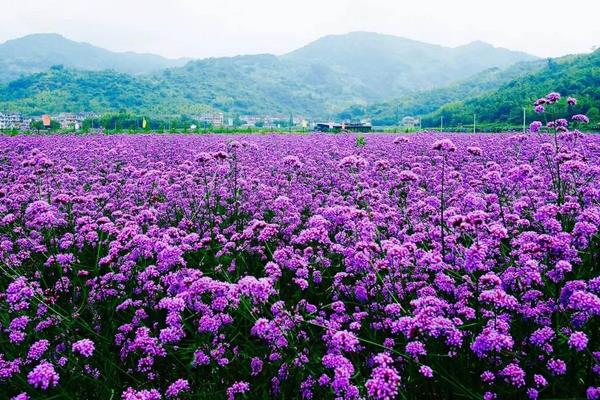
(311, 267)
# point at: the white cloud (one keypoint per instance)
(200, 28)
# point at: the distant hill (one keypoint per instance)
(247, 84)
(60, 89)
(38, 52)
(332, 73)
(389, 66)
(319, 80)
(427, 101)
(577, 76)
(239, 85)
(263, 84)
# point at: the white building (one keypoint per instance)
(26, 124)
(74, 120)
(10, 120)
(251, 120)
(68, 120)
(411, 122)
(214, 119)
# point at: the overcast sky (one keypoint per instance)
(200, 28)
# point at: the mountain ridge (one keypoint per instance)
(396, 64)
(571, 75)
(39, 51)
(424, 102)
(320, 79)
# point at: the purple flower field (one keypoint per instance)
(300, 267)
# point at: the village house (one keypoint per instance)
(68, 120)
(46, 121)
(26, 124)
(266, 121)
(214, 119)
(10, 120)
(410, 122)
(74, 120)
(343, 127)
(251, 120)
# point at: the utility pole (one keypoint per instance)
(524, 120)
(474, 123)
(441, 124)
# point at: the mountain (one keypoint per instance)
(427, 101)
(389, 66)
(38, 52)
(318, 80)
(577, 76)
(61, 89)
(496, 95)
(263, 84)
(259, 84)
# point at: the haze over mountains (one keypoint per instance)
(388, 65)
(319, 80)
(38, 52)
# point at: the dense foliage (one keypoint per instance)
(263, 84)
(60, 89)
(496, 96)
(256, 84)
(577, 75)
(425, 102)
(166, 266)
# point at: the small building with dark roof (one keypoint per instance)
(343, 127)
